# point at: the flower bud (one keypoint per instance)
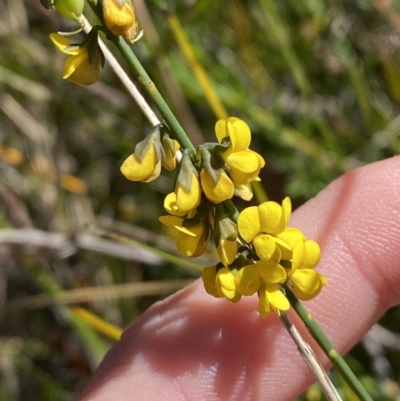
(71, 9)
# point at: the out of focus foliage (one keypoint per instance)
(318, 81)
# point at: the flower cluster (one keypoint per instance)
(259, 253)
(86, 59)
(278, 255)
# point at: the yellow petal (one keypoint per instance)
(188, 200)
(249, 223)
(287, 208)
(264, 245)
(171, 221)
(61, 42)
(240, 134)
(227, 251)
(244, 166)
(270, 271)
(312, 255)
(307, 283)
(195, 244)
(247, 280)
(227, 284)
(170, 205)
(263, 302)
(217, 193)
(307, 280)
(243, 191)
(276, 297)
(208, 276)
(297, 257)
(135, 170)
(271, 218)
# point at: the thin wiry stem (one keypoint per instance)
(311, 360)
(124, 78)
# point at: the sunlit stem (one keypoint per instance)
(311, 360)
(124, 78)
(323, 341)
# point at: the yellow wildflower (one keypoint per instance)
(244, 164)
(216, 191)
(187, 186)
(225, 237)
(306, 282)
(220, 283)
(84, 65)
(267, 218)
(120, 19)
(144, 164)
(263, 277)
(170, 148)
(193, 236)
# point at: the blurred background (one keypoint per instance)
(82, 251)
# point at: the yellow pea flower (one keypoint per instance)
(225, 237)
(268, 218)
(120, 19)
(219, 191)
(144, 164)
(306, 282)
(84, 65)
(244, 164)
(194, 233)
(262, 277)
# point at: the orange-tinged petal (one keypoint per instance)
(249, 223)
(247, 280)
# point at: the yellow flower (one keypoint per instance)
(244, 164)
(219, 191)
(267, 218)
(170, 148)
(145, 163)
(193, 236)
(120, 19)
(263, 277)
(220, 283)
(306, 282)
(84, 65)
(187, 185)
(225, 237)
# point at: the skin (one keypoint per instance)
(195, 347)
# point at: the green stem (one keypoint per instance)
(147, 84)
(323, 341)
